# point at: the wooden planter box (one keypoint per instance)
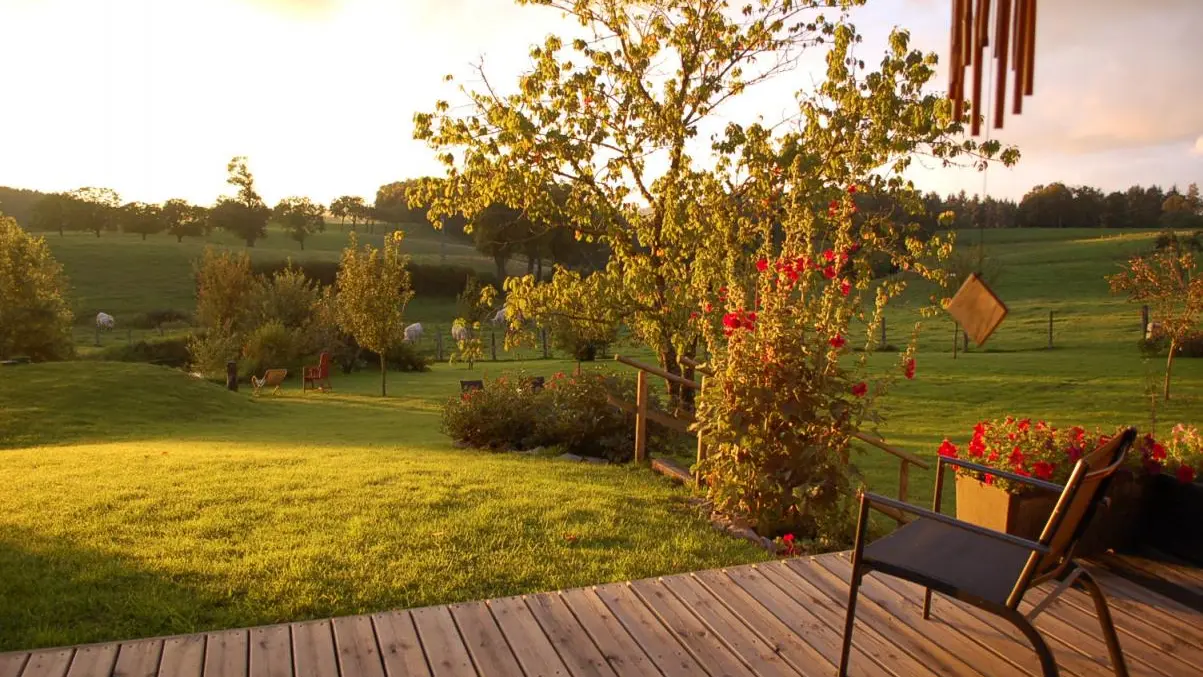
(1173, 518)
(1024, 515)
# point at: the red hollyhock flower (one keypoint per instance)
(694, 315)
(829, 272)
(1043, 470)
(751, 317)
(828, 254)
(909, 369)
(788, 538)
(762, 265)
(860, 389)
(948, 449)
(722, 293)
(845, 287)
(1186, 474)
(731, 320)
(837, 341)
(852, 188)
(706, 307)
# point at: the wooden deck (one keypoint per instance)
(778, 619)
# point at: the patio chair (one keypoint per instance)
(272, 378)
(990, 569)
(466, 386)
(317, 377)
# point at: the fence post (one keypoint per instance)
(883, 331)
(129, 335)
(438, 344)
(641, 417)
(904, 479)
(232, 375)
(493, 343)
(1050, 330)
(697, 471)
(964, 341)
(956, 339)
(544, 336)
(1144, 321)
(97, 335)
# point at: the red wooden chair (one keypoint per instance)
(317, 377)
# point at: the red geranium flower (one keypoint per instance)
(788, 538)
(1025, 424)
(1186, 474)
(977, 447)
(1043, 470)
(988, 479)
(909, 368)
(837, 341)
(762, 264)
(948, 449)
(860, 389)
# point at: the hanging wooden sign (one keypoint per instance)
(978, 310)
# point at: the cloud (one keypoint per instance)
(1198, 149)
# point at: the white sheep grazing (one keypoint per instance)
(460, 332)
(499, 318)
(105, 321)
(413, 333)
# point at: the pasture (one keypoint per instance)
(144, 502)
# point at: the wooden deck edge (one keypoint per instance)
(672, 470)
(1150, 581)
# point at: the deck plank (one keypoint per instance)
(531, 646)
(726, 626)
(271, 651)
(869, 613)
(693, 633)
(1134, 628)
(1163, 570)
(355, 641)
(93, 661)
(139, 659)
(1165, 612)
(50, 663)
(400, 649)
(445, 650)
(791, 645)
(661, 646)
(960, 625)
(183, 656)
(871, 654)
(226, 654)
(313, 650)
(490, 652)
(620, 651)
(12, 664)
(570, 640)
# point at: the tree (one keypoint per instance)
(340, 208)
(50, 213)
(373, 289)
(92, 209)
(244, 215)
(614, 124)
(35, 317)
(1169, 282)
(300, 216)
(184, 220)
(142, 218)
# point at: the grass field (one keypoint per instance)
(144, 503)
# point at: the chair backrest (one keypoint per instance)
(274, 377)
(465, 386)
(323, 365)
(1083, 492)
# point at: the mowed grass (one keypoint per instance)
(155, 504)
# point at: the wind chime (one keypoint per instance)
(1014, 44)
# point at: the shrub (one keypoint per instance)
(170, 352)
(35, 318)
(1159, 345)
(211, 350)
(270, 346)
(155, 319)
(500, 417)
(575, 416)
(401, 357)
(426, 279)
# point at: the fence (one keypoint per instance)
(683, 421)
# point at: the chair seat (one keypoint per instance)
(949, 559)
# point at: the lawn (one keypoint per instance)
(142, 502)
(154, 504)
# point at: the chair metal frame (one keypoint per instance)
(259, 383)
(1037, 570)
(317, 377)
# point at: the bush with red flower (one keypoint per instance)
(1038, 449)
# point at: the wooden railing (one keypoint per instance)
(682, 422)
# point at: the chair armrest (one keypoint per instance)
(875, 500)
(1031, 481)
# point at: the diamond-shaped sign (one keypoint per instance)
(977, 309)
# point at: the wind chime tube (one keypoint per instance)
(1004, 28)
(1030, 40)
(956, 66)
(1019, 55)
(976, 111)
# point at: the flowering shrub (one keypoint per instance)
(1037, 449)
(500, 416)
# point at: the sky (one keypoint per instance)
(153, 97)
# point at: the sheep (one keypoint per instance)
(413, 333)
(105, 321)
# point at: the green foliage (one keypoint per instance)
(373, 288)
(172, 351)
(300, 216)
(35, 318)
(271, 345)
(499, 417)
(92, 210)
(287, 296)
(224, 288)
(244, 215)
(141, 218)
(184, 220)
(469, 348)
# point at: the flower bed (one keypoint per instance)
(1037, 449)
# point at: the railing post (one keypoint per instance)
(493, 343)
(438, 336)
(697, 471)
(543, 335)
(641, 417)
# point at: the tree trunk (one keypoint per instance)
(1169, 366)
(530, 265)
(500, 261)
(97, 232)
(179, 239)
(539, 268)
(383, 376)
(302, 244)
(144, 237)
